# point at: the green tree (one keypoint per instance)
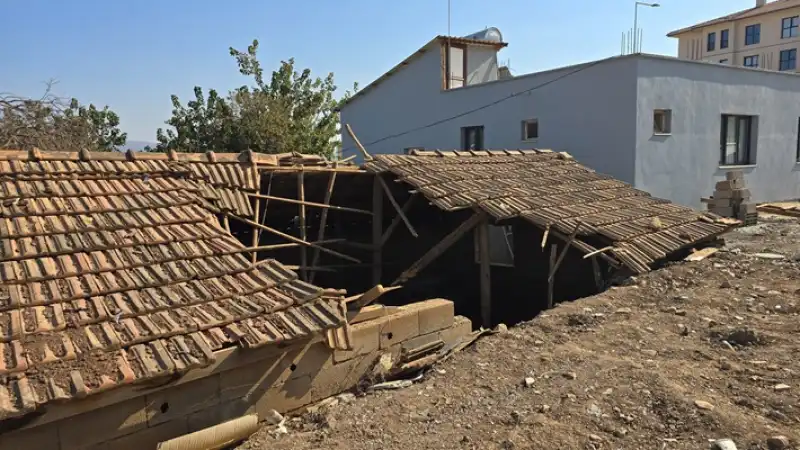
(51, 123)
(292, 111)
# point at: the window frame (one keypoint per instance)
(792, 28)
(508, 230)
(711, 41)
(525, 136)
(744, 155)
(793, 59)
(667, 113)
(448, 76)
(752, 58)
(480, 137)
(724, 39)
(752, 34)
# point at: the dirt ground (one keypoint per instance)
(672, 360)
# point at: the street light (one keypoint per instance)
(636, 22)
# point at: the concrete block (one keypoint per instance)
(398, 327)
(724, 212)
(721, 195)
(728, 185)
(721, 202)
(253, 379)
(435, 315)
(150, 438)
(222, 412)
(420, 341)
(105, 424)
(365, 339)
(748, 208)
(341, 377)
(44, 437)
(734, 175)
(180, 401)
(291, 395)
(461, 327)
(741, 194)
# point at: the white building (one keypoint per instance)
(669, 126)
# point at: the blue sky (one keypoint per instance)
(132, 55)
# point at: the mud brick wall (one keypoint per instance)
(240, 382)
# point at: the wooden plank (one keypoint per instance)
(254, 243)
(302, 202)
(301, 194)
(396, 206)
(485, 272)
(397, 219)
(323, 221)
(293, 239)
(357, 142)
(262, 248)
(701, 254)
(440, 248)
(377, 230)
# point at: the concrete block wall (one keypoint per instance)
(281, 379)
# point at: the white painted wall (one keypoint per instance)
(685, 166)
(481, 64)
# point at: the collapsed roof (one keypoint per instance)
(554, 192)
(114, 270)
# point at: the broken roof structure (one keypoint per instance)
(596, 213)
(114, 270)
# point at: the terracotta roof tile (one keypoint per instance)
(113, 272)
(551, 190)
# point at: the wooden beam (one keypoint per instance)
(485, 272)
(301, 194)
(357, 142)
(263, 217)
(440, 248)
(377, 230)
(544, 238)
(598, 276)
(397, 219)
(396, 206)
(323, 221)
(553, 252)
(311, 204)
(291, 238)
(256, 231)
(564, 252)
(263, 248)
(597, 252)
(311, 268)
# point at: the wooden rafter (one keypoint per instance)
(311, 204)
(397, 219)
(377, 230)
(396, 206)
(485, 272)
(263, 248)
(291, 238)
(357, 142)
(301, 194)
(440, 248)
(323, 221)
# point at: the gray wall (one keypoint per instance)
(481, 64)
(685, 166)
(590, 113)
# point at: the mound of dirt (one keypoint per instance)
(675, 359)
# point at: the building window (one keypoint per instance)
(712, 42)
(789, 27)
(788, 59)
(751, 61)
(472, 138)
(724, 35)
(723, 61)
(530, 129)
(662, 121)
(501, 246)
(797, 155)
(752, 34)
(456, 66)
(736, 141)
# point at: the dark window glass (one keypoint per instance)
(788, 59)
(752, 34)
(724, 35)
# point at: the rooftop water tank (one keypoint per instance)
(489, 34)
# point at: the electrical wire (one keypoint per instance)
(482, 107)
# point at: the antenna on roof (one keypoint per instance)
(448, 18)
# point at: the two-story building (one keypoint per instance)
(764, 36)
(669, 126)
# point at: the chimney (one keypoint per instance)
(760, 3)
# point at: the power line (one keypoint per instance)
(482, 107)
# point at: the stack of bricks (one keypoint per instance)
(732, 199)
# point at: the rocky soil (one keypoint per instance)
(675, 359)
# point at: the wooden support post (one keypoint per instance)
(263, 217)
(254, 255)
(291, 238)
(397, 219)
(486, 272)
(301, 194)
(311, 204)
(566, 249)
(598, 276)
(544, 238)
(553, 252)
(440, 248)
(323, 221)
(396, 206)
(377, 229)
